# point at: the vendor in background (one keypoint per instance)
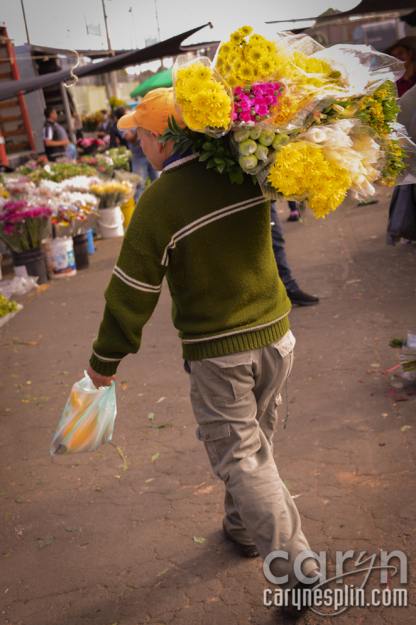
(103, 129)
(116, 135)
(55, 146)
(405, 50)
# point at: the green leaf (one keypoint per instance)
(218, 160)
(186, 146)
(132, 586)
(207, 146)
(171, 128)
(6, 555)
(87, 542)
(200, 540)
(151, 416)
(72, 528)
(177, 127)
(287, 484)
(164, 425)
(221, 167)
(254, 179)
(175, 148)
(233, 175)
(155, 457)
(211, 163)
(205, 156)
(46, 543)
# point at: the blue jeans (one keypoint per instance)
(140, 165)
(278, 243)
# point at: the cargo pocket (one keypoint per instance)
(227, 379)
(219, 441)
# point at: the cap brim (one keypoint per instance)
(127, 121)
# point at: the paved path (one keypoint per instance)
(346, 454)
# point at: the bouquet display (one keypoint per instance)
(112, 193)
(90, 145)
(120, 157)
(308, 123)
(91, 121)
(74, 220)
(22, 227)
(61, 171)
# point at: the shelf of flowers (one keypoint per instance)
(46, 208)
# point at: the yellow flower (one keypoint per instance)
(246, 71)
(302, 170)
(245, 31)
(202, 72)
(254, 53)
(236, 38)
(266, 65)
(225, 49)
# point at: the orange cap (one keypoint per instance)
(152, 112)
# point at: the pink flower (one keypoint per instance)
(245, 116)
(262, 110)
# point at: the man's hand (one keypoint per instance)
(98, 379)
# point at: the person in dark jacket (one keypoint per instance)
(55, 146)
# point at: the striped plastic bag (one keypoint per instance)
(87, 421)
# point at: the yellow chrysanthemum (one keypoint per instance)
(245, 31)
(246, 71)
(201, 72)
(302, 170)
(266, 65)
(225, 49)
(236, 38)
(254, 53)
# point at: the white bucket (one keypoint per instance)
(60, 257)
(111, 222)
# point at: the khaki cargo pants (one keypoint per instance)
(235, 399)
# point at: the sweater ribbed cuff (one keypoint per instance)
(236, 343)
(103, 368)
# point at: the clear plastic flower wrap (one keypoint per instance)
(202, 97)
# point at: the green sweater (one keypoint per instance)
(212, 241)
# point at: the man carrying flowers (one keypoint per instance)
(211, 241)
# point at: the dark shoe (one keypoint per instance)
(249, 551)
(294, 216)
(294, 611)
(301, 298)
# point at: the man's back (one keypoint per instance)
(212, 241)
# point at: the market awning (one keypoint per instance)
(162, 79)
(363, 8)
(169, 47)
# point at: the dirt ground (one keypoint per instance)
(86, 540)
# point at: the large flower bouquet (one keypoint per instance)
(75, 219)
(308, 123)
(22, 227)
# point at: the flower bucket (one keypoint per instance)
(111, 222)
(60, 257)
(82, 260)
(127, 209)
(34, 261)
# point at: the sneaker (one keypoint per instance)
(294, 216)
(249, 551)
(301, 298)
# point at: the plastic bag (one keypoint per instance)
(87, 421)
(20, 285)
